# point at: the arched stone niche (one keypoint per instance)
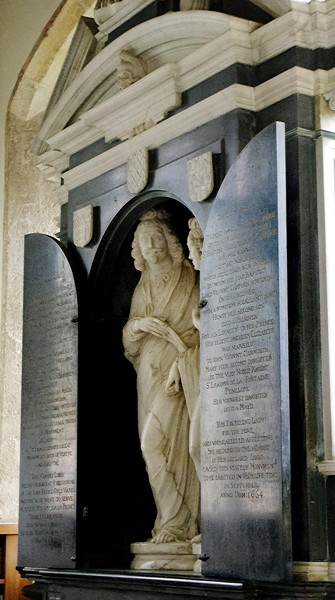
(120, 505)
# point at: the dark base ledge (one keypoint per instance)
(132, 585)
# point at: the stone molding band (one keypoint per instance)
(217, 42)
(295, 81)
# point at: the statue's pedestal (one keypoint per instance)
(196, 549)
(156, 557)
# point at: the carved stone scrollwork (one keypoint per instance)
(130, 68)
(138, 171)
(194, 4)
(200, 177)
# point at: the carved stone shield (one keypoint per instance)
(200, 177)
(138, 171)
(83, 226)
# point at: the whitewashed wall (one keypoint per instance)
(30, 202)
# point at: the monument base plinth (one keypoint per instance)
(174, 556)
(163, 585)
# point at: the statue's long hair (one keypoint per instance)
(161, 218)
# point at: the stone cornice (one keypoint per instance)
(313, 571)
(217, 41)
(114, 15)
(294, 81)
(148, 99)
(183, 122)
(279, 35)
(275, 8)
(307, 26)
(233, 46)
(224, 41)
(106, 119)
(147, 103)
(327, 467)
(54, 162)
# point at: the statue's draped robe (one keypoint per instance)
(189, 369)
(164, 420)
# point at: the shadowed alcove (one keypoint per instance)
(120, 507)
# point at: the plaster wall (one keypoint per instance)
(30, 60)
(34, 209)
(21, 25)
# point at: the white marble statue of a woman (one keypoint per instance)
(159, 329)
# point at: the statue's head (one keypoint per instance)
(195, 241)
(154, 240)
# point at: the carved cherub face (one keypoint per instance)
(153, 243)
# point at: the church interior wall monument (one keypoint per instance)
(173, 432)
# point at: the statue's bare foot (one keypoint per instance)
(196, 539)
(164, 537)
